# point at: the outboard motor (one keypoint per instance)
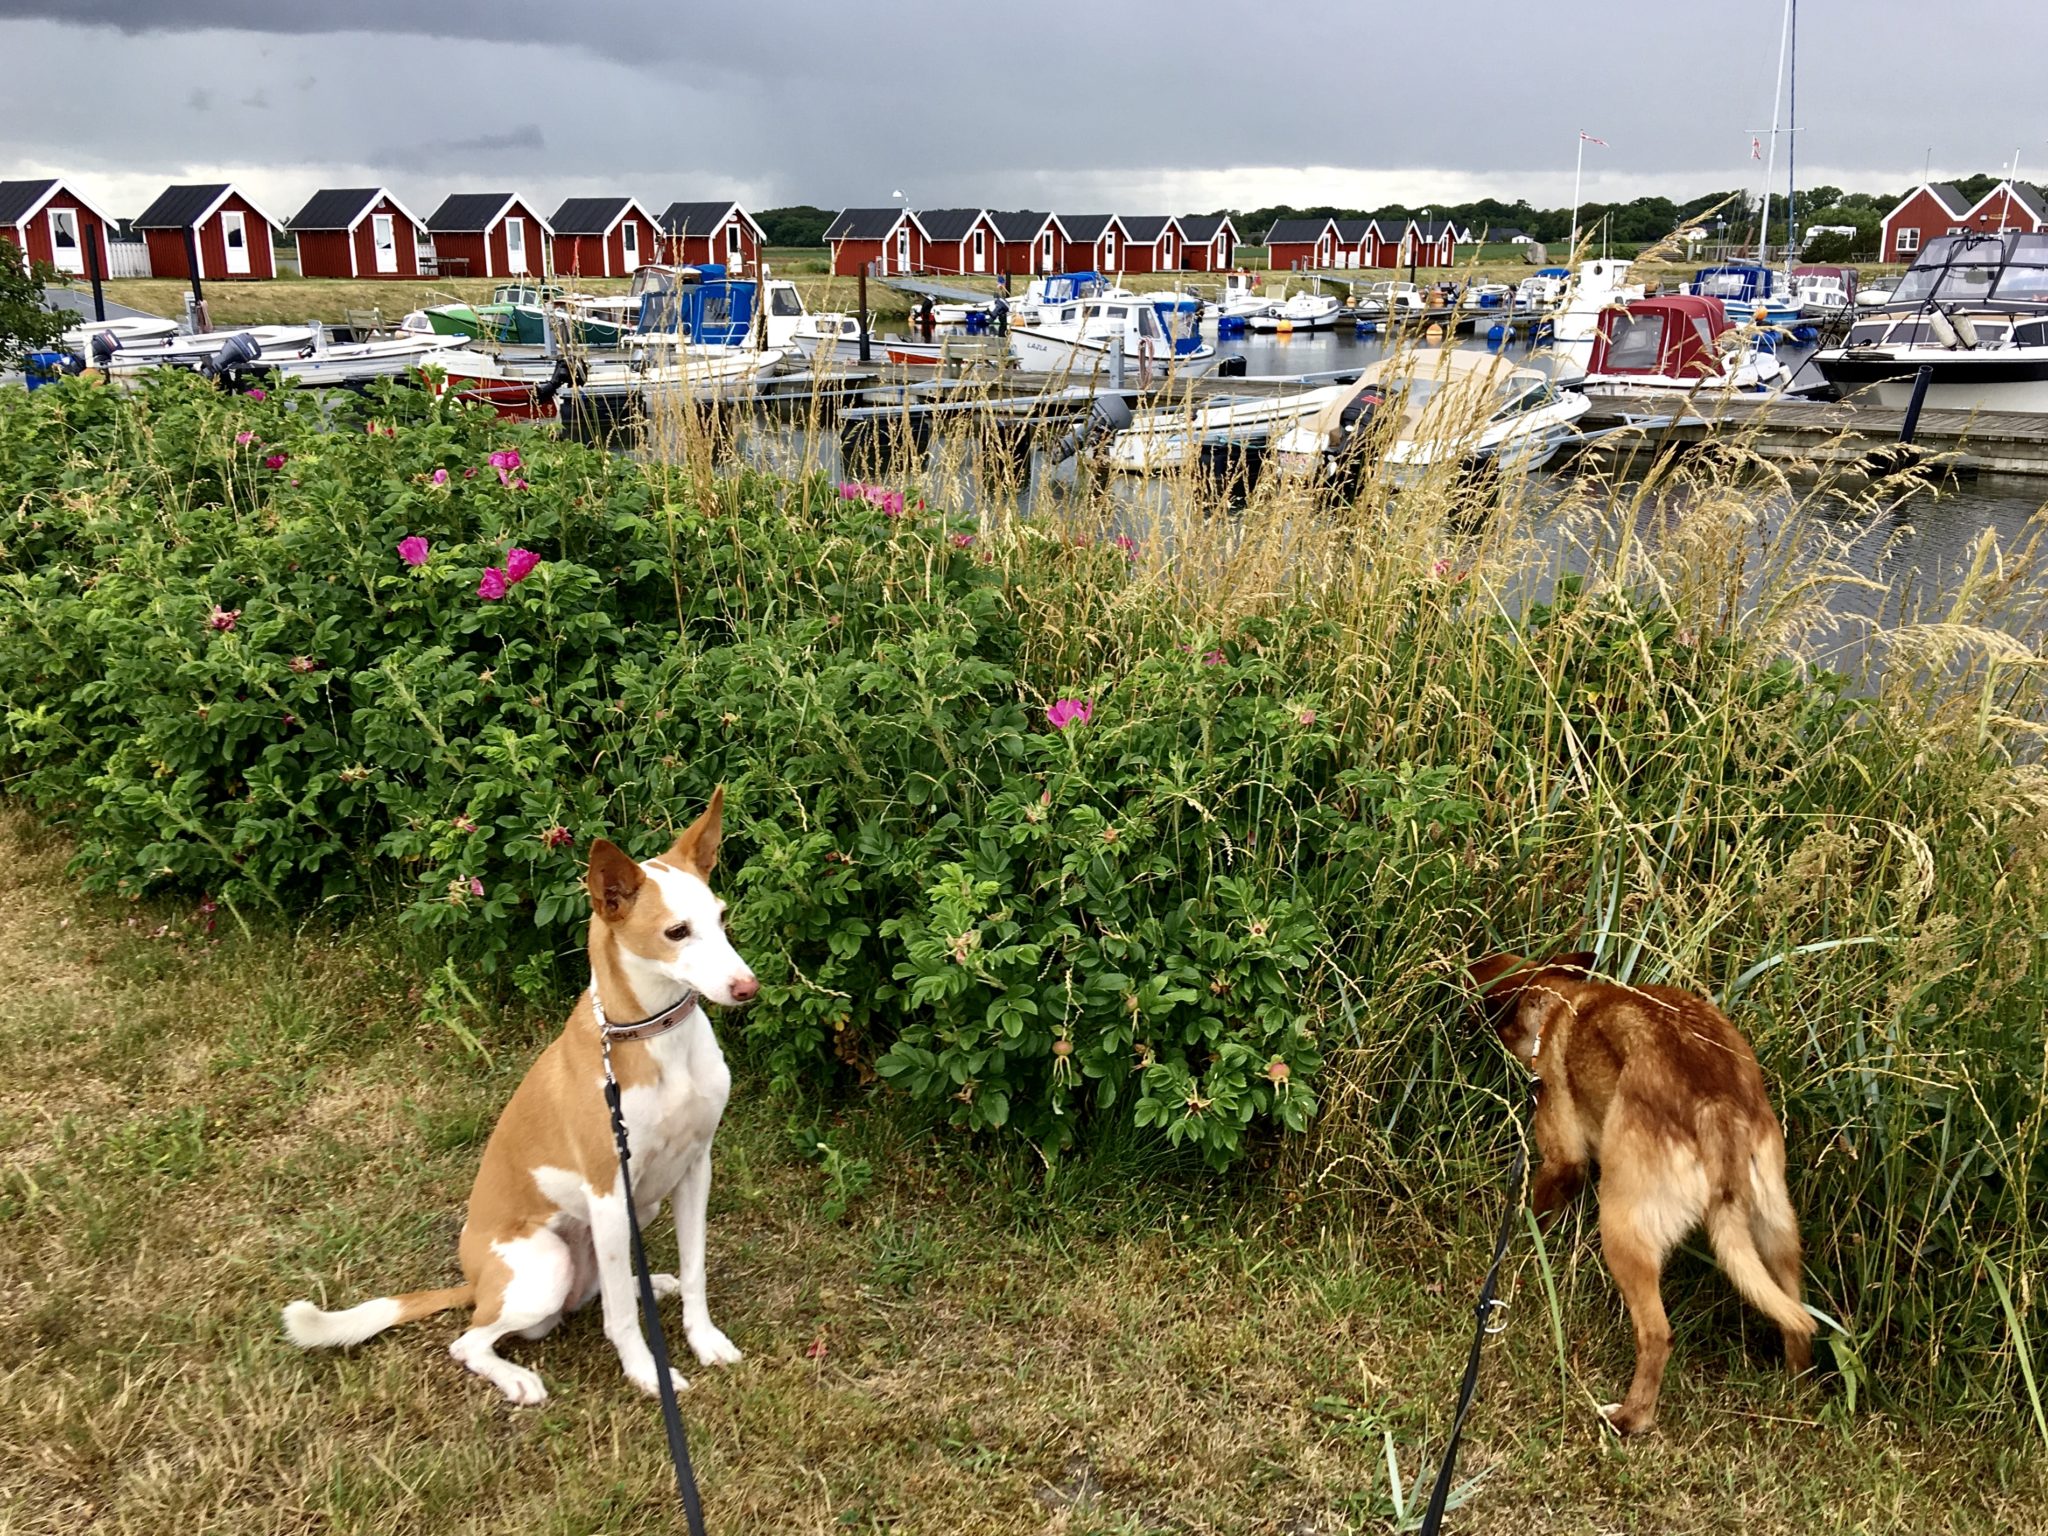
(104, 346)
(1110, 414)
(233, 359)
(567, 371)
(1231, 367)
(1354, 433)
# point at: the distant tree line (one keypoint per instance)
(1635, 222)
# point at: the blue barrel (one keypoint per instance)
(1496, 333)
(40, 368)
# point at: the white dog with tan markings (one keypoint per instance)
(547, 1220)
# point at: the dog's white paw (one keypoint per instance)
(521, 1387)
(642, 1376)
(713, 1347)
(666, 1286)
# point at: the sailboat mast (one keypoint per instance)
(1792, 135)
(1763, 234)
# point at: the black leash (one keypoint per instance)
(1433, 1517)
(650, 1317)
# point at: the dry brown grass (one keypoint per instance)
(196, 1129)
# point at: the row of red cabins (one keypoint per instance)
(366, 232)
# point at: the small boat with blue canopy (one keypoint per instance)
(1750, 293)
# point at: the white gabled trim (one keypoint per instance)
(385, 194)
(231, 190)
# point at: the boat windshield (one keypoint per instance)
(1961, 269)
(784, 301)
(1636, 344)
(1725, 283)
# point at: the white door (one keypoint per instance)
(1045, 252)
(1109, 251)
(903, 250)
(629, 237)
(384, 241)
(1222, 256)
(981, 250)
(1165, 254)
(515, 246)
(735, 253)
(67, 247)
(234, 232)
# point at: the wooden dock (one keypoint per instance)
(1838, 434)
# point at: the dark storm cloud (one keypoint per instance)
(952, 101)
(463, 155)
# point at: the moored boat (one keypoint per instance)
(1089, 337)
(1677, 342)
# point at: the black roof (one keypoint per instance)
(18, 197)
(589, 215)
(1201, 228)
(1017, 223)
(1506, 232)
(1351, 231)
(864, 223)
(181, 207)
(948, 224)
(336, 207)
(1950, 196)
(468, 213)
(1146, 227)
(1297, 231)
(699, 218)
(1433, 229)
(1086, 228)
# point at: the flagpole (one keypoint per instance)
(1576, 175)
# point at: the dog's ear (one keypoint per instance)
(697, 847)
(614, 881)
(1505, 972)
(1579, 960)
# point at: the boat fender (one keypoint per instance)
(1966, 331)
(1945, 333)
(1144, 361)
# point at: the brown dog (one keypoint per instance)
(1664, 1093)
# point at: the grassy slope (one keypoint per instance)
(193, 1132)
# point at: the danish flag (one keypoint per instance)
(1756, 149)
(1591, 140)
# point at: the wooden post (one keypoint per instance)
(192, 266)
(92, 267)
(861, 303)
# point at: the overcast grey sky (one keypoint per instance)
(1117, 104)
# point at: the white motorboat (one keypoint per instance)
(1542, 291)
(128, 330)
(1599, 286)
(831, 337)
(1174, 436)
(1089, 337)
(1678, 343)
(1823, 291)
(1973, 311)
(271, 341)
(1046, 296)
(1303, 311)
(1241, 298)
(1393, 298)
(1424, 407)
(357, 362)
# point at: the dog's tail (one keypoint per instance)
(1732, 1233)
(310, 1328)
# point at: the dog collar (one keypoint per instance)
(643, 1029)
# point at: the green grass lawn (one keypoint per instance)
(195, 1129)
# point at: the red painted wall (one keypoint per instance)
(695, 249)
(167, 247)
(324, 253)
(90, 230)
(465, 247)
(1283, 256)
(1922, 211)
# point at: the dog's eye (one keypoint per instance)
(680, 932)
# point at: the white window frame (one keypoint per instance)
(1906, 240)
(384, 243)
(77, 226)
(515, 251)
(234, 222)
(735, 253)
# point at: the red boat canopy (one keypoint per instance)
(1669, 338)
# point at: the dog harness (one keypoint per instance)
(642, 1029)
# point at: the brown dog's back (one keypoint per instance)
(1657, 1086)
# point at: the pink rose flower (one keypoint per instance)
(257, 394)
(244, 439)
(1066, 712)
(223, 619)
(1213, 659)
(440, 477)
(963, 541)
(469, 473)
(492, 586)
(519, 564)
(1307, 717)
(276, 461)
(506, 458)
(557, 837)
(413, 550)
(476, 886)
